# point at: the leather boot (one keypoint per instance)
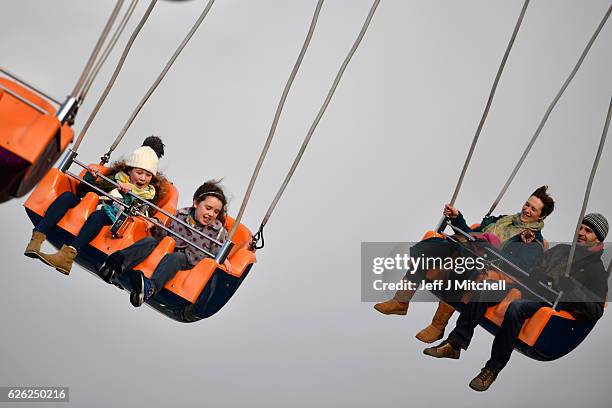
(33, 248)
(392, 307)
(435, 331)
(62, 261)
(443, 350)
(483, 381)
(398, 305)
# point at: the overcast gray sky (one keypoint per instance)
(383, 161)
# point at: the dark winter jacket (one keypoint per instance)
(589, 283)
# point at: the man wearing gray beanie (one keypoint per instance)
(598, 224)
(584, 293)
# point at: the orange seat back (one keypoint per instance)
(25, 131)
(533, 327)
(496, 313)
(431, 234)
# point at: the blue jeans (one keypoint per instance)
(129, 257)
(168, 267)
(91, 228)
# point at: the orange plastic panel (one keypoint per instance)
(66, 136)
(534, 326)
(25, 131)
(188, 284)
(496, 313)
(431, 234)
(165, 246)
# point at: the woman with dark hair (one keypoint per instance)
(206, 215)
(137, 175)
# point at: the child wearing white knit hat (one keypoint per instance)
(137, 175)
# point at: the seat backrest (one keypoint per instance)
(242, 237)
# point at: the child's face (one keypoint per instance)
(207, 210)
(140, 177)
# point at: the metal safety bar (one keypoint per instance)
(29, 86)
(506, 260)
(462, 232)
(150, 219)
(22, 99)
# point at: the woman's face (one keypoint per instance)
(208, 210)
(140, 177)
(532, 210)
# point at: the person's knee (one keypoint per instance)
(100, 216)
(518, 310)
(513, 310)
(68, 197)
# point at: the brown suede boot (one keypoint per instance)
(435, 331)
(62, 261)
(443, 350)
(33, 248)
(392, 307)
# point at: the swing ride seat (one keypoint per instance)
(191, 295)
(202, 291)
(30, 141)
(546, 336)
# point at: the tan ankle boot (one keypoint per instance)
(33, 248)
(392, 307)
(435, 330)
(62, 261)
(398, 305)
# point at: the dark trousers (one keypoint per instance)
(168, 267)
(58, 208)
(129, 257)
(505, 339)
(92, 227)
(56, 211)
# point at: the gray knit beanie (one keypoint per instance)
(598, 224)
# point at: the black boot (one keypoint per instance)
(112, 268)
(142, 289)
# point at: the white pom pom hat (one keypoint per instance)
(144, 158)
